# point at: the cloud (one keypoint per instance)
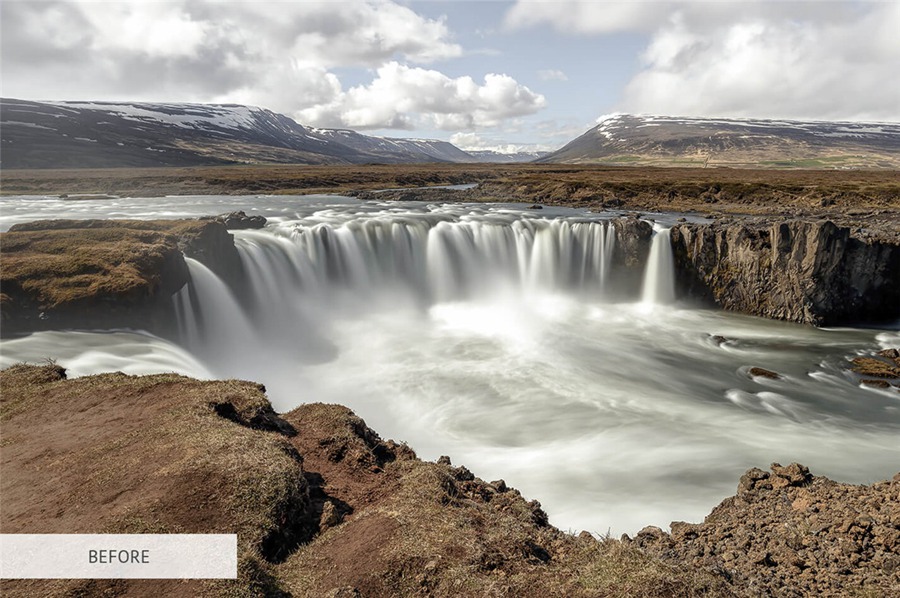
(574, 16)
(405, 97)
(281, 55)
(827, 60)
(474, 142)
(194, 49)
(552, 75)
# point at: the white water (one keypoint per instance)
(659, 278)
(499, 337)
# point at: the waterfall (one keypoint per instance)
(212, 322)
(433, 260)
(300, 275)
(659, 275)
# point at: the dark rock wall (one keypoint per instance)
(633, 238)
(808, 272)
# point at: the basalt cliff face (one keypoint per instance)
(811, 272)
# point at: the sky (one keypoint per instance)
(505, 75)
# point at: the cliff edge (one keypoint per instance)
(323, 506)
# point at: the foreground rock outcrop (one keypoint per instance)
(789, 533)
(811, 272)
(324, 507)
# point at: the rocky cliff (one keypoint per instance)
(811, 272)
(101, 274)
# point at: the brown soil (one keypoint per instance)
(124, 454)
(121, 454)
(324, 507)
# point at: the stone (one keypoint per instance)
(241, 221)
(795, 474)
(500, 486)
(764, 373)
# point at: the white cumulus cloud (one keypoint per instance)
(826, 59)
(197, 49)
(401, 96)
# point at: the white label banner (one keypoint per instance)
(118, 556)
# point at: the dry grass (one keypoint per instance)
(66, 265)
(515, 181)
(438, 533)
(124, 454)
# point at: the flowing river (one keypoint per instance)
(499, 336)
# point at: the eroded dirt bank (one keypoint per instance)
(324, 507)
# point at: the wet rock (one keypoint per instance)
(240, 220)
(890, 354)
(536, 206)
(876, 383)
(874, 367)
(764, 373)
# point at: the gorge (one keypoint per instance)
(543, 346)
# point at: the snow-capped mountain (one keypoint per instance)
(405, 150)
(108, 134)
(658, 140)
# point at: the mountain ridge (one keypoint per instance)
(649, 140)
(88, 134)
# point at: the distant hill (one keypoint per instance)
(134, 134)
(626, 139)
(495, 156)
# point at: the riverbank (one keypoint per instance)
(337, 511)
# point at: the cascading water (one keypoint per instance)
(659, 276)
(503, 338)
(432, 259)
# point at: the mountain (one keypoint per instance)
(400, 150)
(626, 139)
(134, 134)
(506, 158)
